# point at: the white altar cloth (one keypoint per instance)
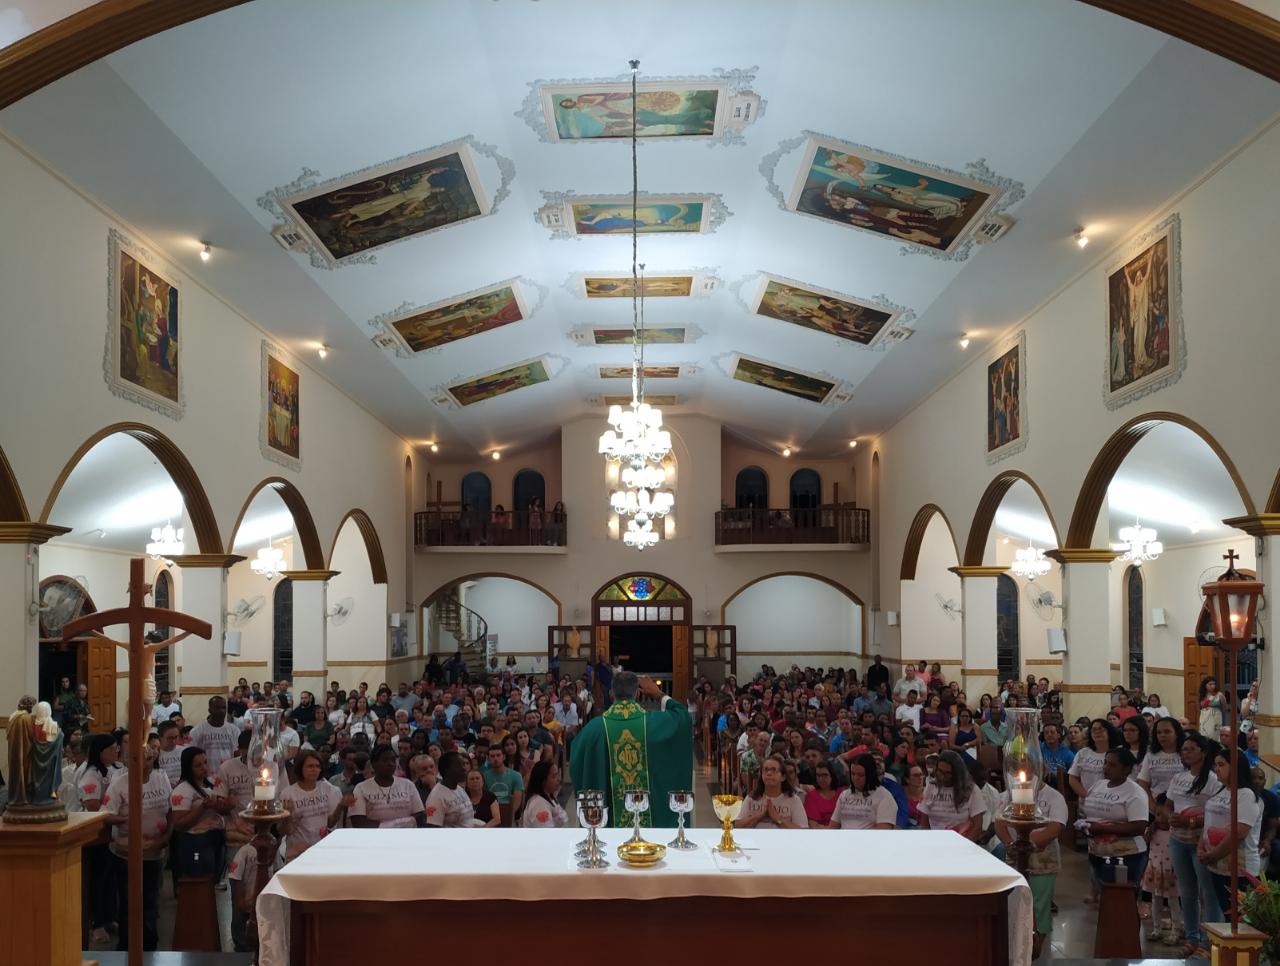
(488, 864)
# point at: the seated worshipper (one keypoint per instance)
(385, 801)
(910, 682)
(541, 809)
(484, 807)
(315, 806)
(913, 787)
(952, 800)
(200, 807)
(504, 783)
(1045, 861)
(774, 802)
(319, 731)
(934, 717)
(865, 803)
(995, 730)
(820, 802)
(155, 837)
(963, 735)
(1056, 755)
(1116, 819)
(628, 747)
(908, 712)
(448, 805)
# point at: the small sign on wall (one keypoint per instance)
(491, 653)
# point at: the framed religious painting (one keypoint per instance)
(499, 383)
(650, 372)
(855, 320)
(1006, 388)
(143, 354)
(801, 385)
(569, 215)
(1146, 345)
(420, 329)
(280, 434)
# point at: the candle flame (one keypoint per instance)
(266, 775)
(1022, 776)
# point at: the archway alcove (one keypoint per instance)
(358, 631)
(930, 594)
(491, 615)
(795, 617)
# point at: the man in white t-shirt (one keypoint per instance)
(165, 707)
(909, 683)
(909, 711)
(448, 805)
(216, 735)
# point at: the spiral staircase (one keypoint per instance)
(468, 627)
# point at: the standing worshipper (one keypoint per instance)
(216, 735)
(628, 747)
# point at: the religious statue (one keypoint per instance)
(35, 765)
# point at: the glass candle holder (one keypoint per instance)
(1023, 763)
(266, 759)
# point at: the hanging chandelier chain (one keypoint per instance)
(637, 348)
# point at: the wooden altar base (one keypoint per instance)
(686, 931)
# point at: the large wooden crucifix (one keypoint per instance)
(142, 696)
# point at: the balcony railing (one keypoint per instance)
(472, 528)
(843, 524)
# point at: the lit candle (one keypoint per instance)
(1021, 793)
(264, 790)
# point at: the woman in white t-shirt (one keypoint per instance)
(540, 808)
(155, 836)
(865, 803)
(315, 806)
(1189, 790)
(1087, 768)
(952, 800)
(337, 716)
(362, 721)
(774, 802)
(385, 801)
(1116, 812)
(1218, 838)
(1163, 761)
(200, 805)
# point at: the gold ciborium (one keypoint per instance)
(727, 807)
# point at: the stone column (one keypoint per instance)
(19, 614)
(978, 630)
(310, 631)
(1265, 529)
(1086, 622)
(202, 666)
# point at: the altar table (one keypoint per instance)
(896, 895)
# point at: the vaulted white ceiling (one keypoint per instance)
(183, 133)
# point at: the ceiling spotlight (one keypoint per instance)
(964, 341)
(206, 251)
(497, 455)
(323, 350)
(786, 451)
(1081, 238)
(853, 444)
(435, 448)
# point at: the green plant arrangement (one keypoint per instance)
(1261, 908)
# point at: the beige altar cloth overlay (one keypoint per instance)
(458, 865)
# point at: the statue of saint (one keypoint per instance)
(35, 764)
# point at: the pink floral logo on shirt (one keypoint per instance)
(90, 789)
(233, 867)
(161, 825)
(431, 810)
(543, 816)
(105, 799)
(177, 799)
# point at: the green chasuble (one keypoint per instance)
(628, 747)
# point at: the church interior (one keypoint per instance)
(792, 383)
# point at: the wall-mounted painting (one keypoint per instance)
(569, 215)
(280, 435)
(388, 203)
(459, 317)
(650, 372)
(912, 202)
(1006, 399)
(1146, 347)
(669, 335)
(823, 311)
(500, 383)
(143, 354)
(650, 398)
(798, 384)
(711, 108)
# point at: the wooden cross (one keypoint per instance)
(1230, 557)
(142, 658)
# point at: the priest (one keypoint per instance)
(628, 747)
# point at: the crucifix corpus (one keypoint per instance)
(142, 698)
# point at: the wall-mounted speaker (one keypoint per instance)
(1158, 617)
(891, 618)
(1057, 638)
(231, 644)
(394, 619)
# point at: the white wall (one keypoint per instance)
(795, 620)
(926, 630)
(364, 636)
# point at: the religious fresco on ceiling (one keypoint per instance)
(793, 383)
(608, 218)
(654, 286)
(460, 318)
(500, 383)
(822, 311)
(391, 203)
(1145, 348)
(650, 372)
(651, 398)
(887, 196)
(143, 350)
(281, 408)
(606, 111)
(670, 335)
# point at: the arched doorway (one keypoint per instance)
(642, 621)
(805, 492)
(751, 489)
(91, 661)
(795, 617)
(477, 495)
(528, 486)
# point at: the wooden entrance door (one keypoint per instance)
(1198, 662)
(681, 661)
(100, 676)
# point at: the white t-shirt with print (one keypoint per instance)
(309, 815)
(1158, 768)
(1054, 808)
(1087, 766)
(449, 807)
(1217, 816)
(218, 743)
(238, 778)
(244, 866)
(1126, 802)
(908, 714)
(391, 807)
(940, 805)
(155, 808)
(170, 762)
(540, 812)
(91, 785)
(856, 810)
(184, 795)
(789, 807)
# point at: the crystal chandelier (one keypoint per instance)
(1138, 543)
(269, 563)
(1030, 562)
(637, 443)
(166, 542)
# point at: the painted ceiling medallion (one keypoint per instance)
(343, 221)
(713, 109)
(569, 215)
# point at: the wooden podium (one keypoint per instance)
(40, 889)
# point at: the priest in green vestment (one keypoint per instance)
(628, 747)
